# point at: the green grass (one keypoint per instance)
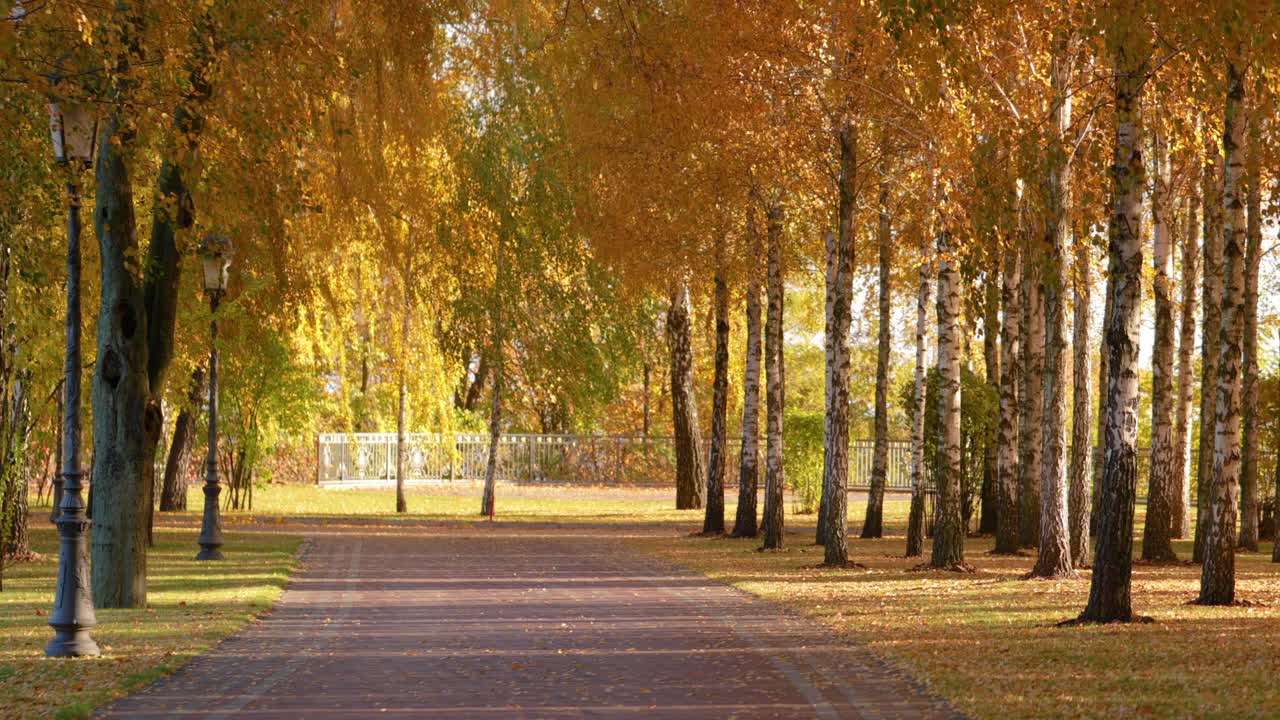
(534, 505)
(191, 607)
(987, 641)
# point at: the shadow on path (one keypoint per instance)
(516, 624)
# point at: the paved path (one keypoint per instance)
(510, 623)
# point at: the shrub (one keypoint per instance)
(802, 459)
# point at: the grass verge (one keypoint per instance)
(557, 505)
(987, 641)
(192, 606)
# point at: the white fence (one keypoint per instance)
(369, 460)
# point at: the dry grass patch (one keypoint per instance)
(987, 641)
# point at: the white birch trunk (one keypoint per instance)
(1157, 536)
(1217, 577)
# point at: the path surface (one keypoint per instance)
(511, 623)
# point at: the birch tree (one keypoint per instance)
(775, 481)
(1054, 558)
(949, 531)
(1008, 525)
(1186, 364)
(745, 524)
(1081, 470)
(1157, 535)
(915, 520)
(684, 405)
(1217, 577)
(873, 525)
(713, 523)
(1211, 323)
(835, 467)
(1129, 43)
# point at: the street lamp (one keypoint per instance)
(215, 258)
(74, 128)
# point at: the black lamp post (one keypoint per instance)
(215, 256)
(74, 128)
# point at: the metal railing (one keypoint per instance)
(369, 460)
(640, 461)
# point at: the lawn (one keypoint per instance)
(191, 607)
(987, 641)
(557, 505)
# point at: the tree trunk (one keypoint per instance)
(1104, 385)
(744, 524)
(775, 482)
(1109, 589)
(1008, 526)
(644, 428)
(136, 322)
(1249, 508)
(713, 523)
(1054, 558)
(684, 404)
(949, 531)
(915, 520)
(401, 504)
(488, 500)
(1275, 500)
(873, 527)
(1211, 298)
(1218, 575)
(487, 508)
(173, 493)
(987, 520)
(1186, 370)
(126, 419)
(835, 467)
(402, 398)
(1082, 414)
(1032, 397)
(1157, 535)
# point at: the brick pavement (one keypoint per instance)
(519, 623)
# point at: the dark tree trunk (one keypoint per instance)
(775, 408)
(684, 404)
(126, 418)
(873, 526)
(1104, 379)
(173, 493)
(402, 399)
(1082, 414)
(991, 355)
(745, 524)
(1031, 395)
(136, 320)
(1275, 501)
(1109, 588)
(1249, 507)
(644, 428)
(1218, 575)
(713, 523)
(487, 501)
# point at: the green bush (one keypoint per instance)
(802, 458)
